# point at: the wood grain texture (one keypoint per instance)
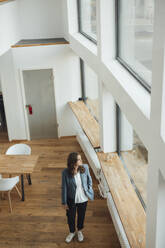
(40, 221)
(138, 169)
(127, 203)
(18, 164)
(93, 105)
(45, 44)
(40, 42)
(89, 125)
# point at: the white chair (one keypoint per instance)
(19, 149)
(7, 184)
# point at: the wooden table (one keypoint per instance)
(18, 164)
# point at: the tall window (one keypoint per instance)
(135, 36)
(134, 156)
(90, 88)
(87, 18)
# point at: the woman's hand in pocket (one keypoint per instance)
(65, 207)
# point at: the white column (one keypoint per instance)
(160, 234)
(106, 42)
(155, 201)
(158, 80)
(152, 195)
(126, 134)
(107, 120)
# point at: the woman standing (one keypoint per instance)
(76, 189)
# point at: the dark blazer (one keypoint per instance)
(69, 185)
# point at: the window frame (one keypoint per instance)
(83, 90)
(118, 150)
(119, 59)
(84, 97)
(80, 24)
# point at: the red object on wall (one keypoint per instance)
(30, 110)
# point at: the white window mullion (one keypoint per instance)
(154, 203)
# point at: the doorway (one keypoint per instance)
(40, 103)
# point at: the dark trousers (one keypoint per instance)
(71, 214)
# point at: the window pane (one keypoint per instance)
(134, 156)
(135, 36)
(87, 18)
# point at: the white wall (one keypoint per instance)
(28, 19)
(41, 19)
(9, 25)
(67, 77)
(91, 83)
(11, 97)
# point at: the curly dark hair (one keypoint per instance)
(71, 161)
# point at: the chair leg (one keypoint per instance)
(9, 198)
(22, 187)
(18, 191)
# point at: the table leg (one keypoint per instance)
(29, 179)
(22, 187)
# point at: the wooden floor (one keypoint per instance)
(40, 221)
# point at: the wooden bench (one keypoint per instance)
(88, 123)
(129, 208)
